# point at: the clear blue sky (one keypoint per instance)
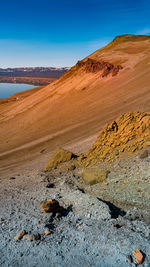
(58, 33)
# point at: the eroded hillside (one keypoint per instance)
(75, 107)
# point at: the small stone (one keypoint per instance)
(104, 185)
(12, 178)
(1, 219)
(89, 216)
(50, 205)
(41, 222)
(31, 237)
(145, 178)
(47, 232)
(137, 254)
(144, 154)
(20, 235)
(50, 185)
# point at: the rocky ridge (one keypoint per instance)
(94, 66)
(128, 134)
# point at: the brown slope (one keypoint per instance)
(79, 104)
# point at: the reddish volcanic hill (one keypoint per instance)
(73, 109)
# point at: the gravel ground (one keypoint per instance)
(92, 231)
(128, 185)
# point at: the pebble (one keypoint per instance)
(89, 216)
(20, 235)
(12, 178)
(50, 205)
(31, 237)
(41, 222)
(47, 232)
(138, 256)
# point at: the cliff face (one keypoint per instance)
(75, 107)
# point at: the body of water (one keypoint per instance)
(8, 89)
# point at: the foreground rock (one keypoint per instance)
(50, 205)
(138, 256)
(94, 175)
(20, 235)
(60, 156)
(47, 232)
(31, 237)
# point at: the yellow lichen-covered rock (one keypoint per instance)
(128, 134)
(94, 175)
(60, 156)
(50, 205)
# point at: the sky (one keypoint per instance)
(59, 33)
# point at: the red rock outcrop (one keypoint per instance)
(95, 66)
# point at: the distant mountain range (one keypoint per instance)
(42, 72)
(33, 75)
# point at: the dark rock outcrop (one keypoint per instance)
(95, 66)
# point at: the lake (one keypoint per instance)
(8, 89)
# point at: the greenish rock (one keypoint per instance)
(94, 175)
(60, 156)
